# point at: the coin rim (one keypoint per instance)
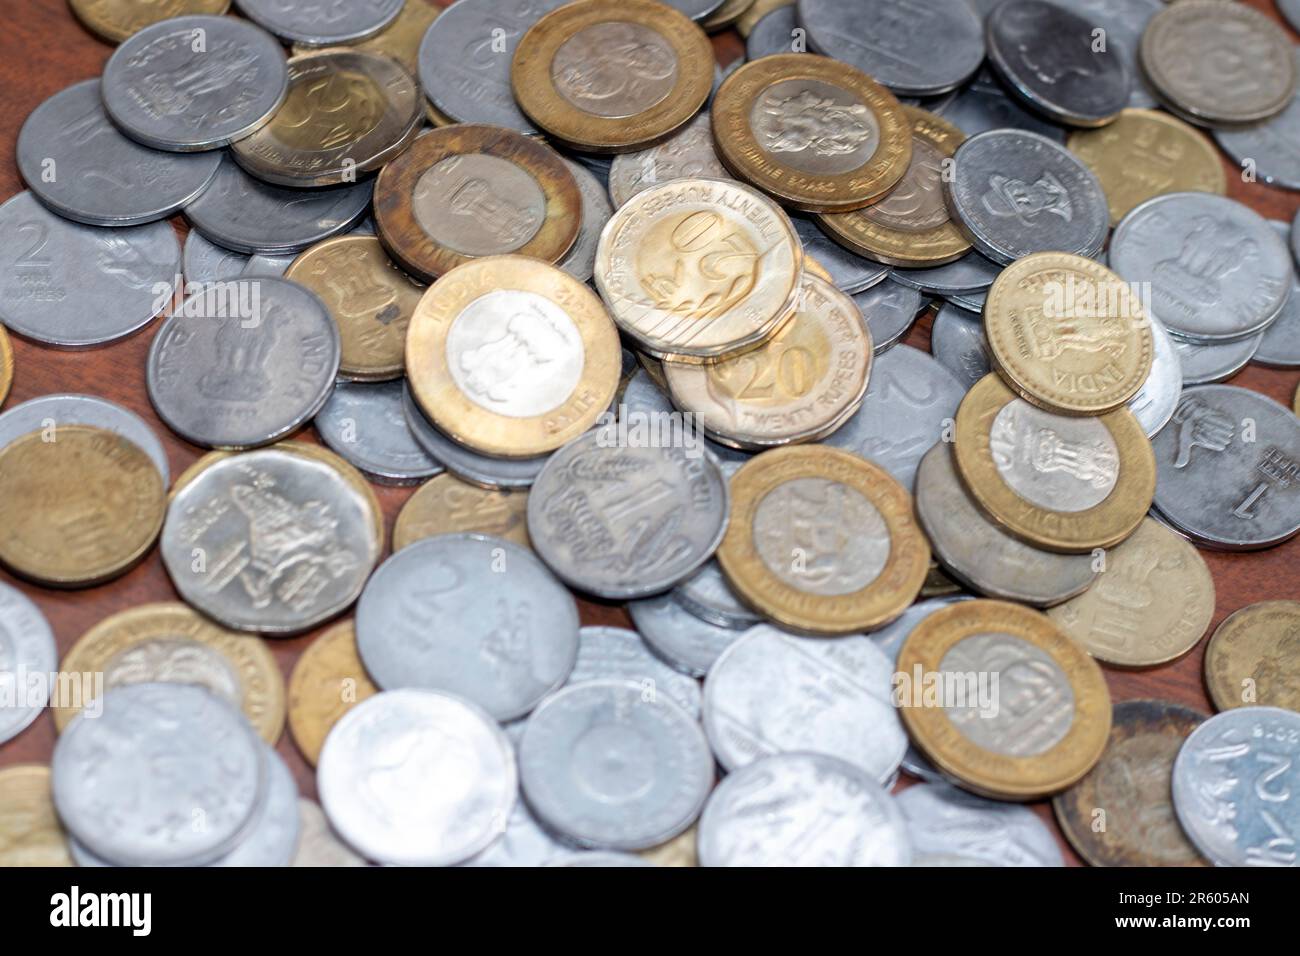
(1216, 654)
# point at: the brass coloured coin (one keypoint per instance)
(6, 365)
(30, 831)
(448, 505)
(327, 681)
(115, 20)
(1251, 659)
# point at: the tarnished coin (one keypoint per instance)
(347, 113)
(839, 689)
(1155, 401)
(627, 519)
(1048, 56)
(813, 132)
(317, 843)
(832, 814)
(1147, 153)
(580, 260)
(1013, 193)
(165, 89)
(1280, 345)
(465, 192)
(1061, 483)
(1250, 659)
(1067, 334)
(983, 105)
(915, 50)
(1151, 604)
(75, 286)
(608, 766)
(1129, 791)
(979, 553)
(1234, 782)
(1203, 364)
(958, 343)
(115, 20)
(400, 40)
(421, 623)
(205, 261)
(796, 387)
(328, 680)
(822, 541)
(891, 309)
(687, 154)
(1214, 62)
(847, 271)
(1271, 148)
(942, 820)
(688, 642)
(78, 506)
(269, 541)
(365, 424)
(28, 658)
(448, 505)
(1218, 487)
(313, 23)
(171, 644)
(243, 365)
(107, 768)
(30, 831)
(911, 225)
(416, 778)
(1036, 731)
(609, 79)
(615, 653)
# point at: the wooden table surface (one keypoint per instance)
(44, 49)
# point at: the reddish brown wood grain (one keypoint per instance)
(43, 49)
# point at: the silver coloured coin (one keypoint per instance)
(891, 310)
(205, 261)
(1271, 147)
(1156, 400)
(598, 166)
(28, 660)
(773, 692)
(271, 267)
(317, 844)
(195, 83)
(321, 22)
(625, 521)
(1207, 364)
(914, 49)
(1228, 469)
(971, 273)
(979, 553)
(687, 154)
(580, 261)
(984, 105)
(245, 364)
(602, 859)
(689, 643)
(364, 422)
(74, 286)
(1235, 781)
(272, 839)
(642, 396)
(709, 596)
(525, 842)
(1013, 193)
(849, 273)
(269, 541)
(78, 163)
(469, 615)
(608, 766)
(1124, 21)
(802, 810)
(130, 783)
(1216, 271)
(246, 215)
(417, 778)
(909, 403)
(695, 9)
(55, 410)
(615, 653)
(774, 34)
(1016, 438)
(958, 344)
(941, 819)
(1280, 346)
(1290, 10)
(972, 302)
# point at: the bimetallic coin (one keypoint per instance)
(205, 261)
(1156, 400)
(944, 820)
(448, 505)
(615, 653)
(318, 845)
(365, 424)
(166, 89)
(580, 260)
(1207, 364)
(690, 643)
(1280, 346)
(1233, 785)
(417, 778)
(115, 20)
(687, 154)
(400, 40)
(28, 659)
(831, 814)
(1249, 659)
(608, 766)
(30, 831)
(1269, 149)
(327, 681)
(958, 343)
(320, 24)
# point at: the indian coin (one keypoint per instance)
(979, 553)
(171, 644)
(448, 505)
(813, 132)
(1129, 791)
(75, 286)
(914, 50)
(680, 851)
(775, 34)
(891, 310)
(400, 40)
(49, 412)
(272, 839)
(839, 690)
(524, 843)
(627, 519)
(970, 274)
(797, 387)
(317, 843)
(1213, 62)
(465, 192)
(1280, 346)
(1155, 401)
(1233, 785)
(77, 510)
(313, 23)
(6, 364)
(269, 541)
(983, 106)
(1203, 364)
(687, 154)
(609, 767)
(1060, 483)
(109, 765)
(365, 424)
(1123, 22)
(698, 269)
(832, 814)
(327, 681)
(847, 271)
(944, 820)
(417, 778)
(1249, 659)
(1218, 487)
(1269, 149)
(644, 402)
(30, 831)
(512, 357)
(28, 660)
(273, 267)
(205, 261)
(617, 654)
(115, 20)
(164, 89)
(609, 79)
(822, 541)
(1013, 193)
(1151, 603)
(708, 596)
(958, 344)
(1039, 729)
(727, 15)
(756, 12)
(690, 643)
(580, 260)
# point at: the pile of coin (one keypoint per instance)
(631, 324)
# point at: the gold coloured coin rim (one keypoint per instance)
(106, 30)
(402, 536)
(756, 11)
(40, 775)
(6, 365)
(1243, 618)
(300, 726)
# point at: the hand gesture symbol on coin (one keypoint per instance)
(1199, 424)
